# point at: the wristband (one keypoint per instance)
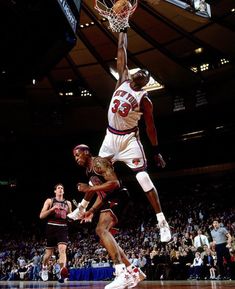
(156, 150)
(84, 203)
(93, 210)
(124, 30)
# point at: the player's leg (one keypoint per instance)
(152, 195)
(136, 273)
(45, 262)
(62, 262)
(62, 238)
(134, 157)
(122, 198)
(107, 149)
(107, 239)
(106, 221)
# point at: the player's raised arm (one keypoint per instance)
(122, 68)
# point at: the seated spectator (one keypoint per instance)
(14, 274)
(23, 271)
(196, 267)
(177, 264)
(209, 267)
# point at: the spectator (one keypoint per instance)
(196, 267)
(200, 240)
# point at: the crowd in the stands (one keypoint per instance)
(189, 255)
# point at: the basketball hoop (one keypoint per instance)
(117, 21)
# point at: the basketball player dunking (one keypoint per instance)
(122, 143)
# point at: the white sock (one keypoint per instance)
(160, 217)
(120, 268)
(130, 268)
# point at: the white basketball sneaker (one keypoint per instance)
(122, 280)
(44, 275)
(138, 276)
(165, 233)
(77, 214)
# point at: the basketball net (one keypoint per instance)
(117, 21)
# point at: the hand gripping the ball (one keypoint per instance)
(121, 7)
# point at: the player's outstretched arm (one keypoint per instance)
(122, 68)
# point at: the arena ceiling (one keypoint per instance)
(163, 37)
(45, 67)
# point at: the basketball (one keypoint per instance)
(121, 6)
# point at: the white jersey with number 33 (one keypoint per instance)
(124, 110)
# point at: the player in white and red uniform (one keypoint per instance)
(122, 138)
(122, 143)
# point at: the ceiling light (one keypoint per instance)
(85, 92)
(233, 10)
(194, 69)
(198, 50)
(204, 66)
(193, 133)
(69, 93)
(224, 61)
(152, 85)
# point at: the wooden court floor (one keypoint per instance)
(101, 284)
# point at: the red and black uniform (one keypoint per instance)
(114, 201)
(57, 228)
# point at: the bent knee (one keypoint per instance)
(144, 181)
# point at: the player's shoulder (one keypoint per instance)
(146, 97)
(49, 200)
(101, 160)
(146, 102)
(101, 163)
(122, 81)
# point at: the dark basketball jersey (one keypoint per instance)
(58, 217)
(96, 179)
(116, 198)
